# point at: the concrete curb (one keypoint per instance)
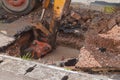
(42, 71)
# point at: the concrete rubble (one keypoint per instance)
(5, 40)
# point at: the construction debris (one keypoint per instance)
(5, 40)
(101, 50)
(94, 33)
(75, 15)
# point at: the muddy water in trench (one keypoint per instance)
(59, 54)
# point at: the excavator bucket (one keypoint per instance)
(59, 8)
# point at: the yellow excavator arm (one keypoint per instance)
(59, 8)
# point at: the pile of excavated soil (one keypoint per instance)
(78, 22)
(101, 50)
(100, 37)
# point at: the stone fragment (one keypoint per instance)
(91, 57)
(86, 60)
(75, 15)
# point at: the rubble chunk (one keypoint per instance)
(91, 57)
(75, 15)
(86, 60)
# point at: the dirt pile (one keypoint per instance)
(78, 22)
(101, 50)
(97, 32)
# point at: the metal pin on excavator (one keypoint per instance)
(48, 42)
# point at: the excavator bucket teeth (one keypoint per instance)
(37, 49)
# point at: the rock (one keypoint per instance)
(65, 77)
(91, 57)
(75, 15)
(71, 62)
(101, 50)
(86, 59)
(3, 31)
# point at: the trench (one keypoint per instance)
(63, 56)
(59, 54)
